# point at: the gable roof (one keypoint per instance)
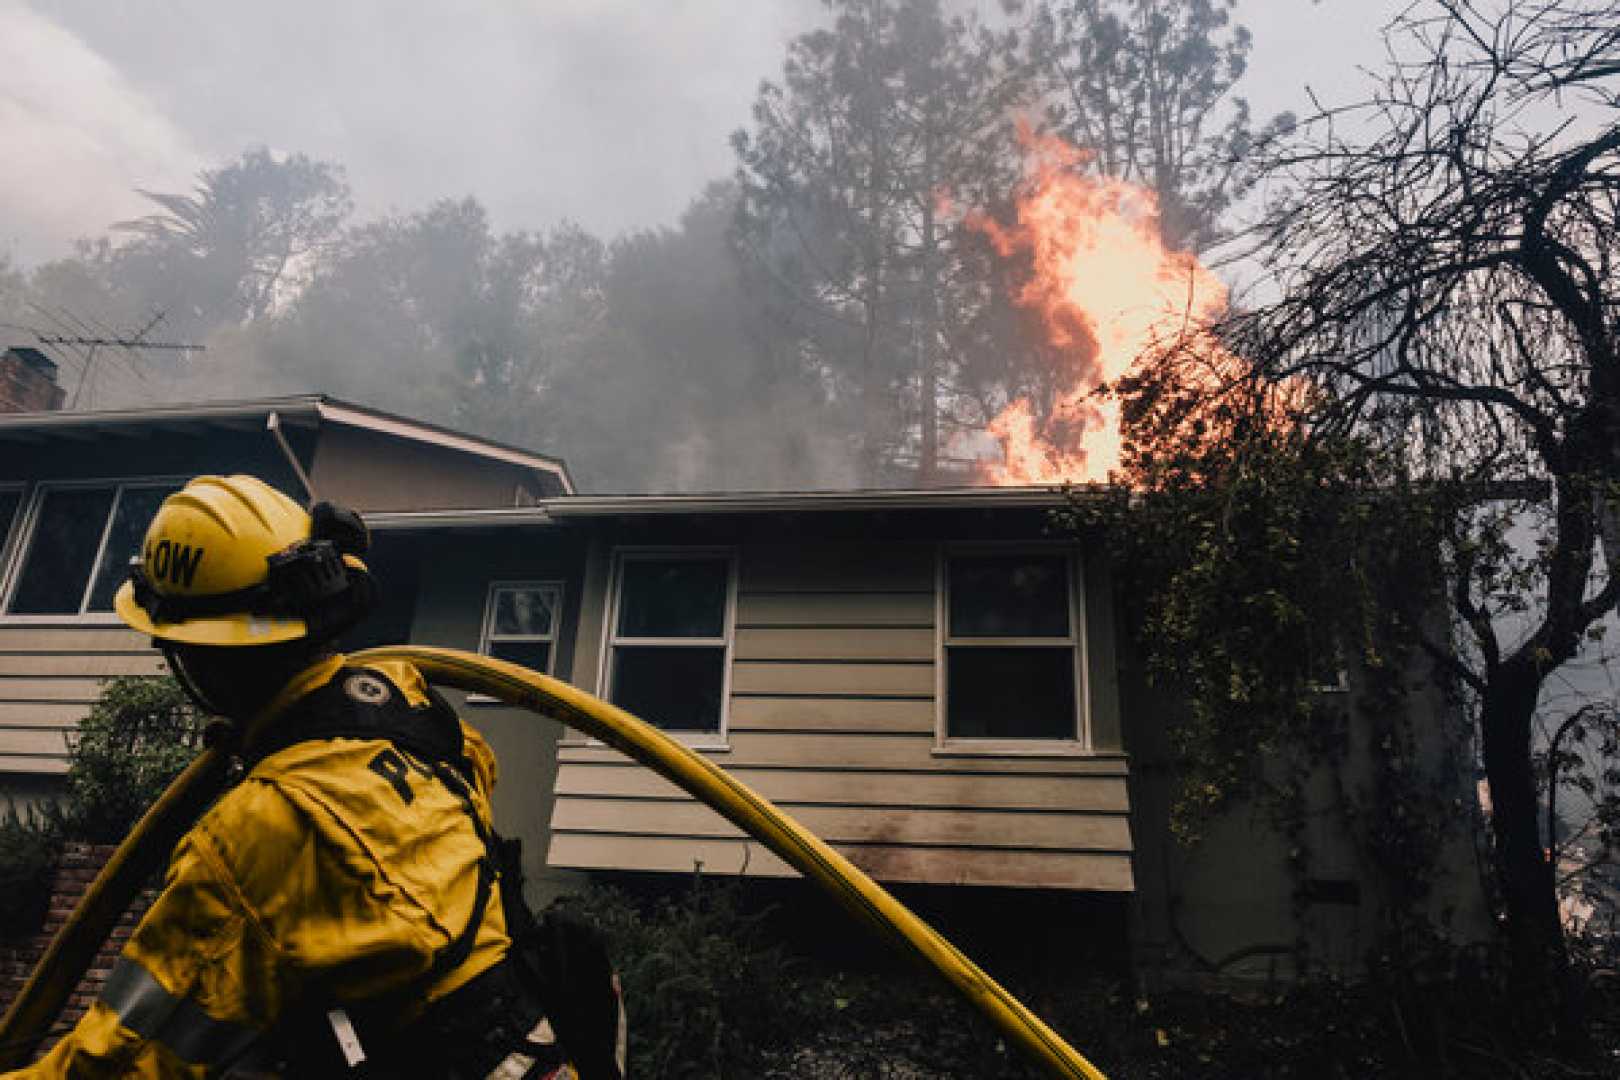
(304, 410)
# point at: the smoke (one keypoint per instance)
(610, 113)
(641, 355)
(649, 362)
(75, 131)
(647, 356)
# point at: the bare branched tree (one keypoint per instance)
(1446, 256)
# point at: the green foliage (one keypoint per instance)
(29, 844)
(710, 994)
(903, 1026)
(1257, 563)
(1264, 561)
(135, 741)
(705, 990)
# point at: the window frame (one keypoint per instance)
(22, 538)
(1077, 642)
(720, 738)
(487, 634)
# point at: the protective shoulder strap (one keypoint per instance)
(361, 703)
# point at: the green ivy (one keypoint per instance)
(1255, 558)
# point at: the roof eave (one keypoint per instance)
(581, 506)
(396, 521)
(305, 410)
(347, 413)
(300, 410)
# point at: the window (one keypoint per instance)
(670, 639)
(79, 545)
(1011, 647)
(520, 623)
(10, 502)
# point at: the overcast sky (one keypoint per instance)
(609, 112)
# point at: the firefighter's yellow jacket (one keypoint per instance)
(336, 868)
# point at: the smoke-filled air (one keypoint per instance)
(924, 254)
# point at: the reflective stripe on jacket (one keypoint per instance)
(334, 872)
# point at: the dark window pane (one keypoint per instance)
(998, 693)
(9, 501)
(534, 655)
(674, 688)
(678, 598)
(60, 552)
(525, 611)
(1010, 596)
(134, 513)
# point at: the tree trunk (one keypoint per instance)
(1539, 972)
(872, 415)
(928, 338)
(875, 418)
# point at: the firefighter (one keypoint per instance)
(340, 910)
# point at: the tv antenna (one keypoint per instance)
(93, 338)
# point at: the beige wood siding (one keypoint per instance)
(833, 717)
(940, 866)
(49, 678)
(831, 679)
(845, 644)
(372, 471)
(859, 825)
(1081, 794)
(873, 750)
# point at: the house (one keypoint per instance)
(928, 679)
(76, 491)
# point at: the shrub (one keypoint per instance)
(136, 740)
(29, 844)
(705, 991)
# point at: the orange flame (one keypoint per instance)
(1107, 289)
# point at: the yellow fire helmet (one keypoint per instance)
(229, 560)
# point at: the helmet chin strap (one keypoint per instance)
(235, 683)
(187, 683)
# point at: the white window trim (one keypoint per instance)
(23, 535)
(947, 745)
(719, 740)
(487, 634)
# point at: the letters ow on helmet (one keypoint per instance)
(229, 560)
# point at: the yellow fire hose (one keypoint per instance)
(69, 954)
